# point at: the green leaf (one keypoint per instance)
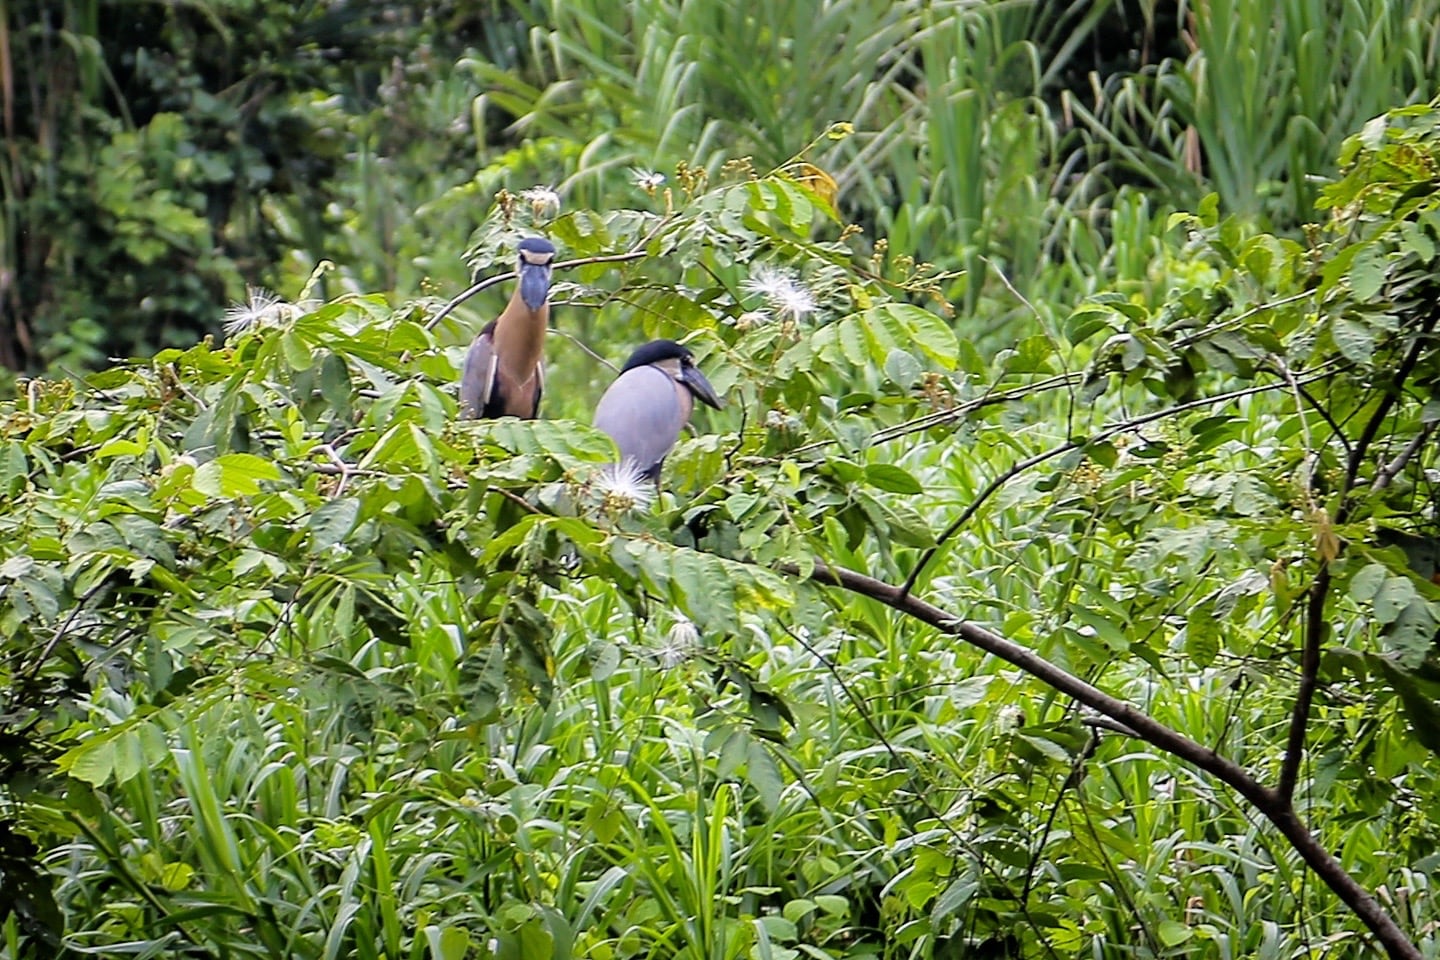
(779, 928)
(1412, 634)
(119, 447)
(889, 477)
(1394, 595)
(922, 328)
(332, 523)
(1365, 584)
(92, 761)
(17, 567)
(1355, 340)
(970, 692)
(1367, 273)
(1419, 698)
(1209, 209)
(704, 589)
(297, 353)
(764, 775)
(1172, 933)
(604, 658)
(335, 382)
(448, 943)
(382, 618)
(1417, 240)
(569, 443)
(902, 369)
(850, 334)
(955, 896)
(234, 475)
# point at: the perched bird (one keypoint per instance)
(504, 370)
(648, 405)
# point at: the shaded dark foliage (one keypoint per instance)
(144, 142)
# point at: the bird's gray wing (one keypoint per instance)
(643, 415)
(477, 381)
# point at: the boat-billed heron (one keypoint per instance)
(504, 370)
(648, 405)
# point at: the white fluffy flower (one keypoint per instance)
(768, 280)
(783, 292)
(647, 180)
(260, 308)
(794, 304)
(680, 644)
(623, 488)
(544, 201)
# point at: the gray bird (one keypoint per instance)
(504, 370)
(648, 405)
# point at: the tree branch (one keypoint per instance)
(1305, 690)
(1315, 620)
(1391, 470)
(1268, 802)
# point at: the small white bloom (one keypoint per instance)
(544, 201)
(794, 304)
(623, 488)
(261, 308)
(768, 280)
(680, 644)
(790, 299)
(647, 180)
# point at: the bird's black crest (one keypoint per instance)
(654, 352)
(536, 245)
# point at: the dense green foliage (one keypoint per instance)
(297, 665)
(163, 156)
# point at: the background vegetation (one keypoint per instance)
(296, 666)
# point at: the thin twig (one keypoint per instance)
(1105, 723)
(339, 462)
(1064, 381)
(636, 252)
(63, 629)
(926, 421)
(1240, 318)
(1391, 470)
(1054, 339)
(582, 345)
(515, 497)
(858, 703)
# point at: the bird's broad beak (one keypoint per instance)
(699, 386)
(534, 284)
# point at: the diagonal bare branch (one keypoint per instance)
(1269, 803)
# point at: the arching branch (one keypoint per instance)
(1268, 802)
